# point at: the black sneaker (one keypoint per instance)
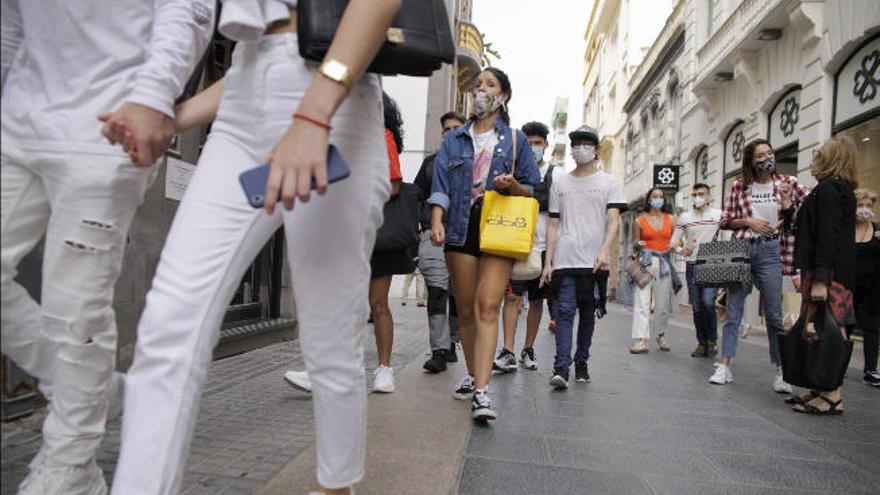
(872, 378)
(560, 378)
(505, 362)
(437, 363)
(481, 407)
(451, 356)
(581, 372)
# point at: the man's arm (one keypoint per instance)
(552, 232)
(612, 225)
(144, 123)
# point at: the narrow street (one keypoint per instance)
(645, 424)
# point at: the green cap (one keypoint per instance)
(584, 132)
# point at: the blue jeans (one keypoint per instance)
(767, 278)
(566, 306)
(703, 303)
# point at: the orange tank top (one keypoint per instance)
(656, 240)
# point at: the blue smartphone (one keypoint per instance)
(253, 181)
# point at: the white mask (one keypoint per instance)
(583, 153)
(699, 201)
(864, 214)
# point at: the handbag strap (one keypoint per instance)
(513, 165)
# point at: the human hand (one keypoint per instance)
(785, 196)
(687, 252)
(796, 282)
(546, 275)
(603, 260)
(506, 182)
(438, 234)
(819, 292)
(761, 227)
(144, 132)
(300, 155)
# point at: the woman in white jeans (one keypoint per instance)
(216, 235)
(653, 232)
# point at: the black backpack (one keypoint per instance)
(542, 190)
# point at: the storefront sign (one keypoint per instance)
(857, 87)
(784, 119)
(666, 177)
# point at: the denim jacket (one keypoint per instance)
(453, 173)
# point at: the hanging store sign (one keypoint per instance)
(666, 177)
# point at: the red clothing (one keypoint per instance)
(656, 240)
(393, 157)
(739, 206)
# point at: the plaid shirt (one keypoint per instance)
(739, 206)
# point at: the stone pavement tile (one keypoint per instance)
(493, 477)
(682, 486)
(555, 426)
(866, 455)
(616, 457)
(485, 442)
(827, 476)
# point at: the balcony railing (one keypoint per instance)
(469, 37)
(733, 32)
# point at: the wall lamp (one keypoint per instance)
(769, 34)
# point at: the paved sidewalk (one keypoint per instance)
(653, 424)
(645, 424)
(250, 423)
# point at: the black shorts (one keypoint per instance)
(533, 287)
(472, 239)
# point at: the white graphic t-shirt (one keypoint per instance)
(765, 204)
(543, 217)
(484, 146)
(582, 204)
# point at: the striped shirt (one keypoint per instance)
(695, 228)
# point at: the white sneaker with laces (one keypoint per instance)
(465, 388)
(51, 479)
(299, 380)
(779, 384)
(383, 379)
(722, 375)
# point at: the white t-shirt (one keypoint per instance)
(71, 61)
(765, 204)
(543, 217)
(697, 228)
(582, 204)
(484, 146)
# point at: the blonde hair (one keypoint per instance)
(836, 158)
(866, 193)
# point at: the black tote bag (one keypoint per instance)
(417, 44)
(400, 231)
(816, 361)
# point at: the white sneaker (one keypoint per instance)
(722, 375)
(299, 380)
(383, 379)
(779, 384)
(465, 388)
(50, 479)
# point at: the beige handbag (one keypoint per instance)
(531, 267)
(638, 273)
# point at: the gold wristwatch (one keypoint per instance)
(338, 72)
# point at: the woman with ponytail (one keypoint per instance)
(473, 159)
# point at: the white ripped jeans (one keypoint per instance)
(84, 204)
(214, 238)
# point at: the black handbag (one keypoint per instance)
(723, 264)
(417, 44)
(814, 353)
(400, 231)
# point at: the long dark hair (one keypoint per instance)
(505, 89)
(749, 159)
(393, 121)
(667, 208)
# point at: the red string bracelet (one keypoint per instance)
(311, 120)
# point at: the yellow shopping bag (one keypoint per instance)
(507, 225)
